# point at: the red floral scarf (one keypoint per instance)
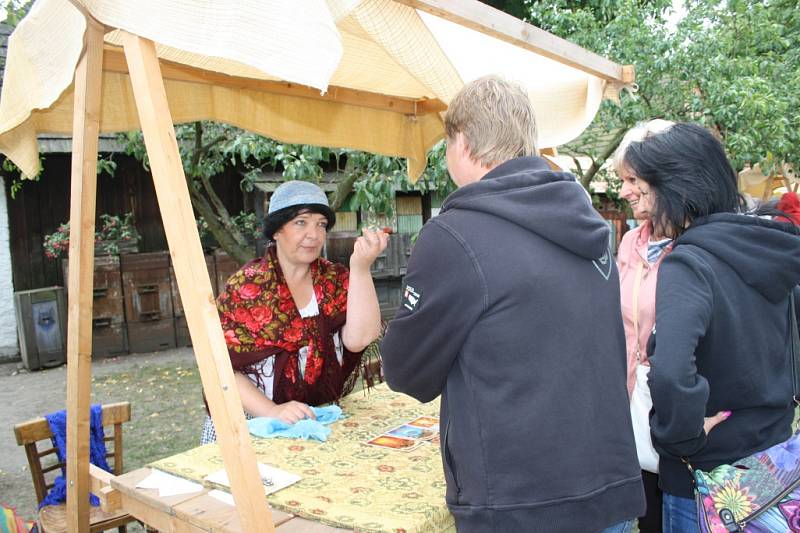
(260, 320)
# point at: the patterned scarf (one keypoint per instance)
(260, 319)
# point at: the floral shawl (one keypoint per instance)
(260, 320)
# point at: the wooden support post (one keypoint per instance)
(194, 285)
(490, 21)
(85, 132)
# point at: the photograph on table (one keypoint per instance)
(394, 443)
(413, 432)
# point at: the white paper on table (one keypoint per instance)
(222, 496)
(280, 478)
(167, 484)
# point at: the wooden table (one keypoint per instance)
(344, 482)
(197, 512)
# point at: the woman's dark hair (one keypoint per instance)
(689, 172)
(275, 221)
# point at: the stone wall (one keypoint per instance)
(9, 348)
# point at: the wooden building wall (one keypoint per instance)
(41, 206)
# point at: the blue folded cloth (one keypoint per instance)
(304, 429)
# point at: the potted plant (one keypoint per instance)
(116, 235)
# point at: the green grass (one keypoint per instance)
(167, 411)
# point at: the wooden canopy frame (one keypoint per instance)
(138, 58)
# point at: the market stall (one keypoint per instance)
(371, 75)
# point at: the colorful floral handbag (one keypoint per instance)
(760, 493)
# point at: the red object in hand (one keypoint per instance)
(388, 230)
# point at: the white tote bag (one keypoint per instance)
(641, 403)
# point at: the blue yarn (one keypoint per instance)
(97, 451)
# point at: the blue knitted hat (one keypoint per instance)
(296, 193)
(291, 194)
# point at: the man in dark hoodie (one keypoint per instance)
(511, 312)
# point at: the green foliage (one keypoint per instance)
(732, 65)
(107, 165)
(15, 11)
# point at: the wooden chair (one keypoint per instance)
(53, 518)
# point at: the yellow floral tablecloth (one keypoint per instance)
(346, 483)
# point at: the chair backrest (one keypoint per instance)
(44, 472)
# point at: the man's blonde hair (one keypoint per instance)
(496, 118)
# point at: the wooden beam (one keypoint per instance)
(114, 61)
(85, 132)
(100, 483)
(493, 22)
(194, 285)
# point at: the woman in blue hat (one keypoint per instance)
(295, 323)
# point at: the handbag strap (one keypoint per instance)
(795, 347)
(636, 285)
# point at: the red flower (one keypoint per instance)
(283, 292)
(231, 338)
(313, 368)
(249, 291)
(329, 287)
(292, 334)
(293, 503)
(253, 326)
(241, 315)
(297, 322)
(296, 448)
(286, 305)
(318, 292)
(235, 297)
(261, 314)
(261, 342)
(385, 468)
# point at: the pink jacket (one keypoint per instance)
(633, 252)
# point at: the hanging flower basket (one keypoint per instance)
(116, 235)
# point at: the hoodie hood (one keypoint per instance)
(764, 253)
(550, 204)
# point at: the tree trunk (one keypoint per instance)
(590, 173)
(240, 253)
(345, 186)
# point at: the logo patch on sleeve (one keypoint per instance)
(411, 297)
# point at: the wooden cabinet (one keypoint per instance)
(148, 301)
(109, 335)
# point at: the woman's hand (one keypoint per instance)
(367, 248)
(292, 412)
(712, 421)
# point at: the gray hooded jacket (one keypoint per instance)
(511, 312)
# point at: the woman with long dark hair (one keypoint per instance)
(720, 373)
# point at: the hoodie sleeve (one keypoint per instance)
(443, 296)
(684, 302)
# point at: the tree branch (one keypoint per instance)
(241, 253)
(586, 179)
(345, 186)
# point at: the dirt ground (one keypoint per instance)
(25, 395)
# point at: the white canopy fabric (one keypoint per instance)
(372, 75)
